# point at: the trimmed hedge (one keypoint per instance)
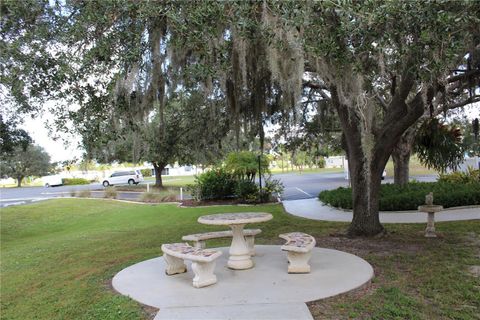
(409, 197)
(74, 181)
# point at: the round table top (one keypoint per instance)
(235, 218)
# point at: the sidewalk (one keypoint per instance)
(314, 209)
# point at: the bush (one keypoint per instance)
(412, 195)
(74, 181)
(110, 193)
(146, 172)
(272, 186)
(153, 197)
(215, 184)
(247, 191)
(84, 194)
(471, 176)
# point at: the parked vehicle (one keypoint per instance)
(50, 181)
(123, 177)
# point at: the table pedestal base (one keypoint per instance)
(240, 258)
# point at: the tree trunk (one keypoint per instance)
(401, 157)
(401, 170)
(365, 180)
(19, 181)
(370, 142)
(158, 168)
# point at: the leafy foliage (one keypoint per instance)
(410, 196)
(246, 191)
(146, 172)
(74, 181)
(215, 184)
(11, 137)
(272, 187)
(244, 165)
(471, 176)
(438, 146)
(21, 163)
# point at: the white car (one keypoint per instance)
(50, 181)
(123, 177)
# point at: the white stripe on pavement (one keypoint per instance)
(308, 194)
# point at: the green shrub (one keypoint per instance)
(247, 191)
(74, 181)
(215, 184)
(146, 172)
(409, 197)
(110, 192)
(471, 176)
(271, 188)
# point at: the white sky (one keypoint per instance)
(58, 150)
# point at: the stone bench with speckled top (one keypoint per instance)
(203, 262)
(299, 250)
(199, 239)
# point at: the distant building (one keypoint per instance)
(473, 163)
(177, 170)
(335, 162)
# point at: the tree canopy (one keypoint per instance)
(25, 162)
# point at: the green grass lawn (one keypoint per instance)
(415, 167)
(174, 181)
(59, 256)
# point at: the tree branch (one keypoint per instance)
(463, 103)
(475, 72)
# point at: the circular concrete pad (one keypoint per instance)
(333, 272)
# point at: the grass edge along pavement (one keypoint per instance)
(59, 256)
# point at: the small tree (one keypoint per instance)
(244, 165)
(21, 163)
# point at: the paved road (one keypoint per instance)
(308, 185)
(297, 186)
(16, 196)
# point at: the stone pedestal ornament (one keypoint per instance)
(430, 209)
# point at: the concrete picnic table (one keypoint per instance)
(240, 258)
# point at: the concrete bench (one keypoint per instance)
(199, 239)
(203, 262)
(299, 250)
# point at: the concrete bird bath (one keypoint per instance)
(430, 208)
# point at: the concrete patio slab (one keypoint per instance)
(314, 209)
(260, 288)
(297, 311)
